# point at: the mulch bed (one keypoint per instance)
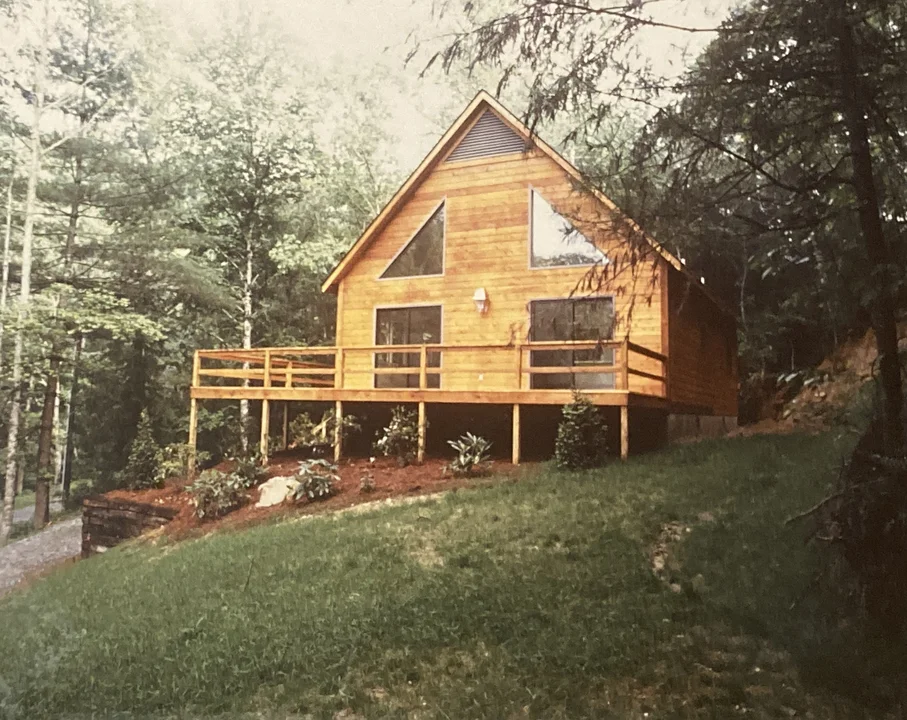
(390, 481)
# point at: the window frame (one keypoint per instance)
(605, 261)
(613, 366)
(409, 241)
(431, 370)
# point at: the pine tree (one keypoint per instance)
(142, 467)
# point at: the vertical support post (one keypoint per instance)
(285, 430)
(265, 429)
(423, 368)
(420, 452)
(338, 430)
(516, 435)
(624, 432)
(288, 383)
(193, 415)
(266, 411)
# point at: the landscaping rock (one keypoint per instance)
(275, 491)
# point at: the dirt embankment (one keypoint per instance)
(814, 398)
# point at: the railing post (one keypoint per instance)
(193, 416)
(265, 410)
(519, 368)
(423, 368)
(625, 370)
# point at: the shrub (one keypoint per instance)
(306, 433)
(77, 493)
(142, 469)
(248, 469)
(400, 439)
(472, 454)
(173, 461)
(581, 436)
(215, 493)
(316, 479)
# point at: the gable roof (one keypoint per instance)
(476, 109)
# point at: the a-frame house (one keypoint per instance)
(500, 280)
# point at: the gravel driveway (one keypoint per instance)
(27, 513)
(58, 542)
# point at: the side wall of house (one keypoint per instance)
(487, 246)
(703, 359)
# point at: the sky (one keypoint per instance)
(373, 37)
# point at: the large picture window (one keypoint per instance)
(569, 320)
(555, 242)
(424, 254)
(407, 326)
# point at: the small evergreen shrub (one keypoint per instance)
(581, 436)
(142, 469)
(173, 461)
(77, 493)
(472, 455)
(316, 480)
(215, 493)
(400, 439)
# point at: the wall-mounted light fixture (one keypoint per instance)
(480, 298)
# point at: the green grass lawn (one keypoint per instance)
(25, 499)
(531, 598)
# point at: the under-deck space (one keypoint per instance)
(615, 374)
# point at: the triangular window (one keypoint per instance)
(488, 137)
(424, 254)
(555, 242)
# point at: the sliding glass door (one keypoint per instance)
(567, 320)
(417, 325)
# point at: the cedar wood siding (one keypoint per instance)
(487, 245)
(703, 351)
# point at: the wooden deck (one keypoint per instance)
(454, 374)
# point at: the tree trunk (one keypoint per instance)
(884, 319)
(45, 448)
(246, 341)
(55, 438)
(66, 481)
(51, 399)
(7, 240)
(22, 309)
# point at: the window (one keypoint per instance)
(566, 320)
(424, 254)
(555, 242)
(407, 326)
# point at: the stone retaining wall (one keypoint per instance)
(107, 522)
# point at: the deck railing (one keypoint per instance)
(536, 366)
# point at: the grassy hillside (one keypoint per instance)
(533, 598)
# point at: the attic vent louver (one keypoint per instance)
(489, 136)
